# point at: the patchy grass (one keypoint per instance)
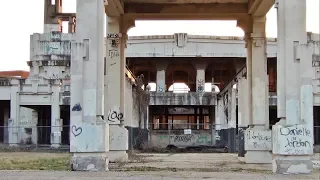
(56, 162)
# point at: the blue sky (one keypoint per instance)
(26, 17)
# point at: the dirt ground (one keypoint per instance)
(155, 166)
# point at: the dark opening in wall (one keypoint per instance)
(316, 124)
(65, 116)
(44, 124)
(4, 116)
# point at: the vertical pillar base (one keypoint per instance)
(58, 145)
(258, 157)
(118, 140)
(232, 140)
(223, 138)
(241, 151)
(117, 156)
(90, 162)
(292, 164)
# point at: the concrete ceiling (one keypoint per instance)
(184, 1)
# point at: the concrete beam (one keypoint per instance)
(259, 7)
(114, 8)
(185, 11)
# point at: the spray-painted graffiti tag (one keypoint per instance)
(296, 139)
(76, 131)
(115, 115)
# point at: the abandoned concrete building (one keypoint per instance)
(103, 96)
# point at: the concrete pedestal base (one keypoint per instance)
(89, 162)
(258, 157)
(292, 165)
(232, 140)
(241, 151)
(55, 145)
(117, 156)
(118, 141)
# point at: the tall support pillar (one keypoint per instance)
(222, 122)
(258, 151)
(115, 76)
(200, 77)
(293, 136)
(242, 114)
(13, 122)
(232, 121)
(89, 138)
(56, 123)
(161, 77)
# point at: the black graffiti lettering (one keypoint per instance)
(259, 137)
(112, 35)
(186, 138)
(286, 131)
(114, 115)
(113, 53)
(296, 143)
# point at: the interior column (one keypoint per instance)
(201, 68)
(258, 149)
(89, 133)
(56, 123)
(161, 76)
(232, 121)
(115, 62)
(242, 115)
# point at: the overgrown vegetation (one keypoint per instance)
(59, 162)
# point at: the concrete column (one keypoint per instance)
(161, 77)
(293, 137)
(56, 122)
(258, 151)
(248, 82)
(281, 65)
(115, 62)
(242, 114)
(222, 123)
(232, 121)
(200, 77)
(6, 130)
(13, 122)
(89, 138)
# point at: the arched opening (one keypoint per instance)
(143, 68)
(152, 85)
(179, 88)
(219, 72)
(182, 76)
(209, 87)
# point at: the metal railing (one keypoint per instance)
(160, 135)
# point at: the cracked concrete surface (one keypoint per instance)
(32, 175)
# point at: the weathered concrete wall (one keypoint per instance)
(28, 126)
(192, 46)
(162, 138)
(191, 98)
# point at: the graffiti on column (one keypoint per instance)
(161, 80)
(76, 107)
(160, 89)
(76, 131)
(200, 85)
(115, 115)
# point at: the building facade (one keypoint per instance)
(182, 77)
